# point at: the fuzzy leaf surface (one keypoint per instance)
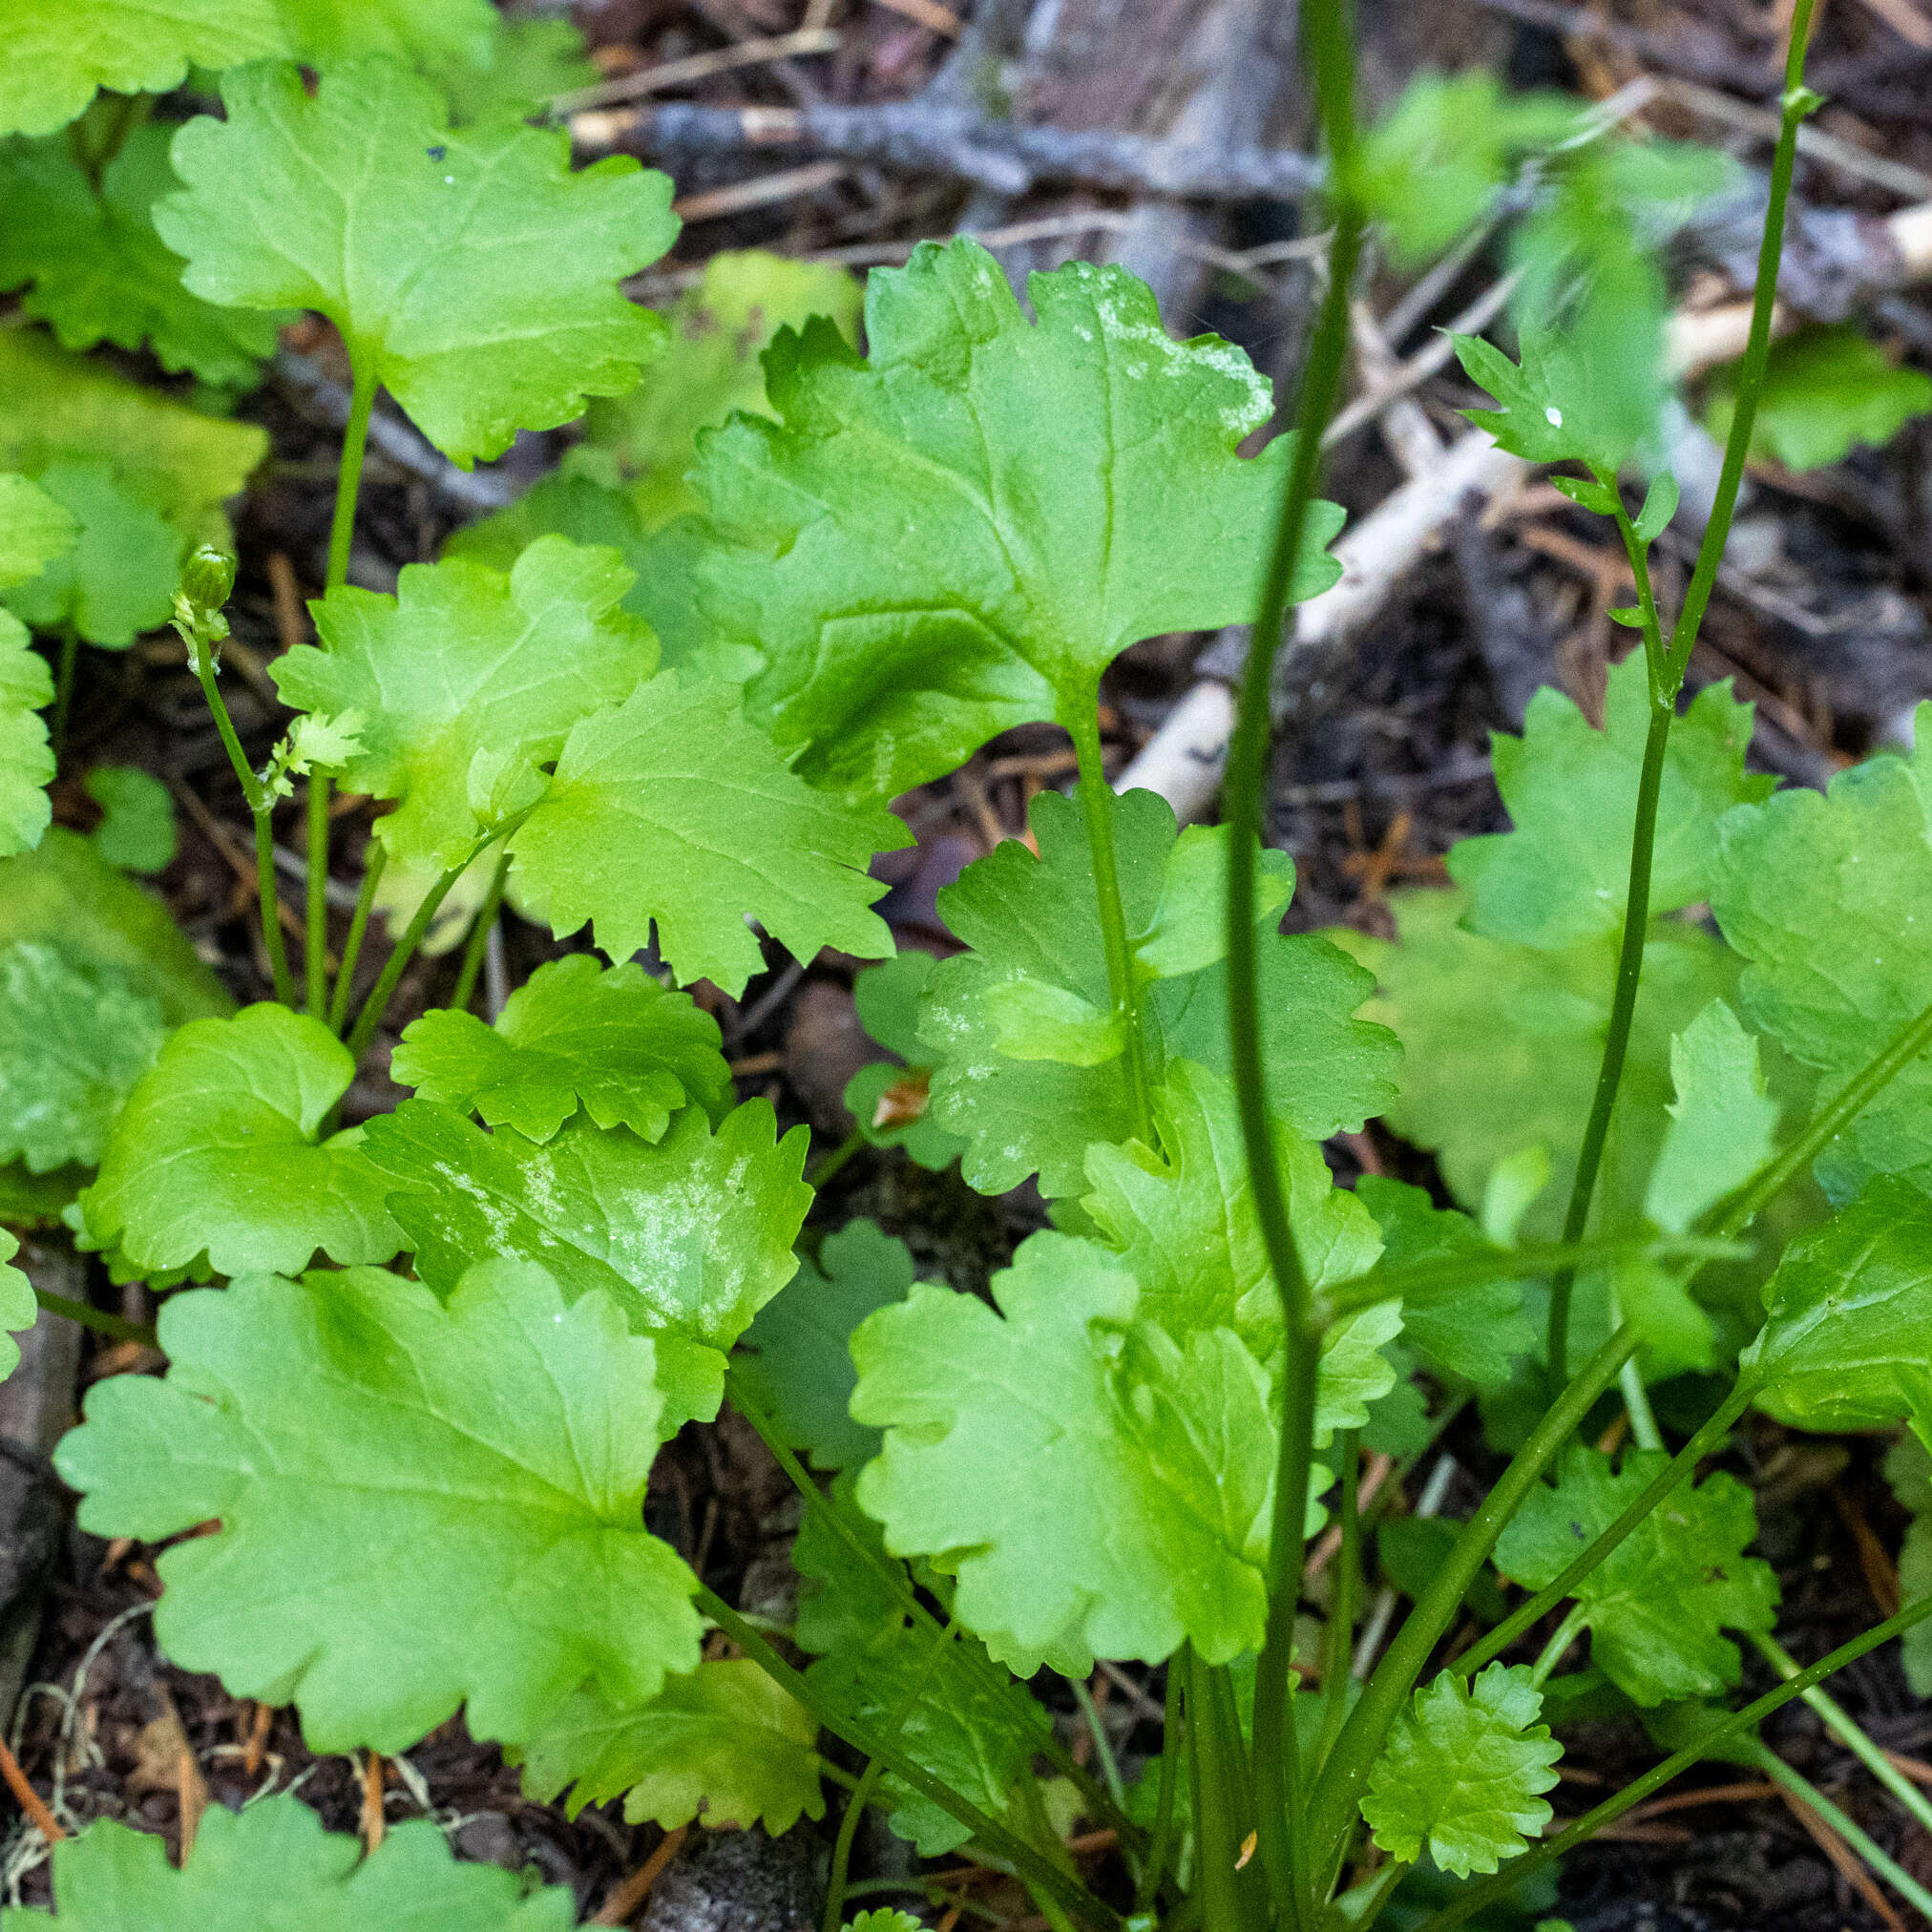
(466, 679)
(960, 533)
(724, 1743)
(215, 1153)
(422, 1504)
(1658, 1604)
(1462, 1772)
(1723, 1122)
(690, 1237)
(272, 1868)
(1097, 1490)
(1560, 876)
(611, 1039)
(416, 241)
(73, 1041)
(672, 808)
(119, 579)
(54, 54)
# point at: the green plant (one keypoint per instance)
(426, 1459)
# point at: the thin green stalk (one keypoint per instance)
(1097, 810)
(1219, 1813)
(98, 1319)
(1682, 1466)
(1643, 1430)
(1338, 1639)
(315, 948)
(1030, 1864)
(847, 1150)
(63, 685)
(1841, 1721)
(1552, 1654)
(1338, 1790)
(271, 907)
(1740, 1724)
(375, 858)
(370, 1018)
(1103, 1745)
(355, 440)
(1887, 1867)
(842, 1847)
(1381, 1889)
(1155, 1869)
(478, 943)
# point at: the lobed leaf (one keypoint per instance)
(35, 530)
(1825, 390)
(216, 1153)
(18, 1308)
(121, 575)
(421, 1504)
(27, 765)
(416, 241)
(1723, 1122)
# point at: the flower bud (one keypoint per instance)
(208, 577)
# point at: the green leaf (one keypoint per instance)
(1599, 498)
(1473, 1330)
(1538, 415)
(725, 1744)
(648, 437)
(424, 34)
(796, 1359)
(563, 504)
(1660, 505)
(465, 679)
(959, 534)
(889, 1101)
(215, 1153)
(1095, 1489)
(137, 829)
(69, 895)
(1847, 1315)
(97, 270)
(1823, 895)
(35, 530)
(1658, 1604)
(690, 1237)
(1825, 390)
(1908, 1469)
(1562, 875)
(27, 765)
(120, 577)
(38, 1200)
(532, 61)
(416, 241)
(955, 1719)
(54, 54)
(270, 1867)
(56, 407)
(421, 1504)
(891, 1921)
(1462, 1772)
(630, 1051)
(671, 807)
(73, 1041)
(1723, 1122)
(18, 1308)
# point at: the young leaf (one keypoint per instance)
(27, 765)
(420, 1504)
(1095, 1489)
(215, 1153)
(466, 679)
(1723, 1122)
(1560, 876)
(97, 270)
(648, 437)
(1825, 390)
(1461, 1770)
(1473, 1330)
(671, 807)
(890, 1099)
(1824, 898)
(35, 530)
(121, 577)
(56, 407)
(1657, 1605)
(796, 1358)
(725, 1744)
(18, 1308)
(690, 1237)
(54, 54)
(630, 1051)
(416, 241)
(1660, 505)
(1539, 416)
(958, 535)
(137, 829)
(73, 1041)
(1908, 1469)
(271, 1866)
(1847, 1315)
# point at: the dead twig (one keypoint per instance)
(622, 1904)
(667, 74)
(786, 185)
(31, 1802)
(1844, 1861)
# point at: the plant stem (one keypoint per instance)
(1338, 1638)
(1854, 1835)
(315, 948)
(1155, 1869)
(271, 907)
(1103, 1745)
(1841, 1721)
(842, 1848)
(1682, 1465)
(478, 942)
(355, 439)
(1221, 1809)
(63, 685)
(405, 949)
(1025, 1860)
(1097, 810)
(375, 857)
(846, 1149)
(1332, 1807)
(1740, 1724)
(91, 1317)
(1565, 1635)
